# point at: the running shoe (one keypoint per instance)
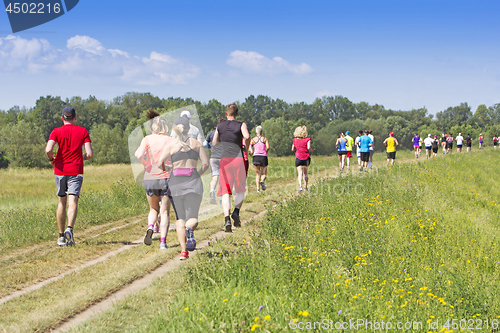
(148, 239)
(212, 197)
(61, 241)
(301, 189)
(236, 219)
(184, 255)
(258, 191)
(190, 241)
(68, 235)
(156, 229)
(227, 226)
(263, 186)
(163, 246)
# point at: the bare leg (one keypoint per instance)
(226, 204)
(213, 183)
(238, 199)
(72, 209)
(180, 226)
(154, 208)
(165, 216)
(306, 176)
(300, 172)
(257, 176)
(263, 174)
(61, 213)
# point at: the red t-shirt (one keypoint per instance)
(302, 152)
(70, 139)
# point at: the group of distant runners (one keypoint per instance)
(171, 174)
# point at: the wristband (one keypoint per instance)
(51, 159)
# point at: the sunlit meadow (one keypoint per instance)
(412, 244)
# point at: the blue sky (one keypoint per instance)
(402, 54)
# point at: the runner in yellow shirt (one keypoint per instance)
(350, 144)
(391, 143)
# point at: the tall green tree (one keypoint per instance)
(23, 145)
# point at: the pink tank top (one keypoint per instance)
(259, 148)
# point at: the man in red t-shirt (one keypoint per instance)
(68, 169)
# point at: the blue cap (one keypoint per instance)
(348, 132)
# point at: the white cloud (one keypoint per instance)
(323, 93)
(253, 62)
(87, 57)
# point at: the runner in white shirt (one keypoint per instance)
(358, 151)
(460, 141)
(428, 145)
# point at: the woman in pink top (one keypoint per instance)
(259, 146)
(156, 179)
(302, 145)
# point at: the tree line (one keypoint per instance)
(24, 132)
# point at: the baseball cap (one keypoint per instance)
(459, 133)
(348, 132)
(428, 135)
(366, 131)
(183, 121)
(186, 114)
(391, 134)
(68, 112)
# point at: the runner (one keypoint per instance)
(215, 156)
(460, 141)
(480, 141)
(468, 142)
(420, 144)
(194, 132)
(428, 146)
(231, 134)
(155, 178)
(358, 151)
(341, 145)
(365, 144)
(495, 141)
(435, 145)
(391, 143)
(68, 170)
(350, 145)
(443, 143)
(372, 150)
(302, 144)
(259, 146)
(185, 182)
(449, 143)
(416, 145)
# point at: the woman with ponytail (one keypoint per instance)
(185, 182)
(155, 177)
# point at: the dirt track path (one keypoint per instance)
(139, 283)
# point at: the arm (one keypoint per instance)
(293, 147)
(246, 134)
(215, 140)
(89, 153)
(309, 146)
(267, 145)
(397, 143)
(385, 142)
(49, 150)
(203, 159)
(139, 153)
(250, 148)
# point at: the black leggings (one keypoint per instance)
(187, 206)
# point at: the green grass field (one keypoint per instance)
(415, 245)
(412, 244)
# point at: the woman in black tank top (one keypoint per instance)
(185, 183)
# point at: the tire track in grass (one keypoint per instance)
(140, 283)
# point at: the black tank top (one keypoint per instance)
(231, 138)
